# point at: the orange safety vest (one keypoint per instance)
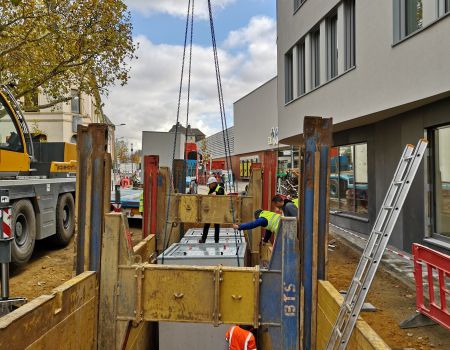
(240, 339)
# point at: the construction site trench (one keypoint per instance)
(394, 300)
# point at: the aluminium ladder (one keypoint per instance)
(378, 239)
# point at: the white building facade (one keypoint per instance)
(380, 70)
(59, 123)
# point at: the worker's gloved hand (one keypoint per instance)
(236, 227)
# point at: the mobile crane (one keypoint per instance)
(40, 179)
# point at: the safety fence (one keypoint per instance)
(432, 275)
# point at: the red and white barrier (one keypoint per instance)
(6, 223)
(439, 263)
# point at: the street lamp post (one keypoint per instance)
(131, 158)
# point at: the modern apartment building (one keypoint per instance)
(381, 70)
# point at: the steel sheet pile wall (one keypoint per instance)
(93, 194)
(314, 219)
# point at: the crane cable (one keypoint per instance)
(185, 163)
(226, 140)
(171, 186)
(225, 135)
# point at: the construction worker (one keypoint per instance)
(141, 202)
(214, 190)
(287, 206)
(240, 338)
(263, 218)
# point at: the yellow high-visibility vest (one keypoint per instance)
(295, 201)
(141, 202)
(273, 220)
(217, 188)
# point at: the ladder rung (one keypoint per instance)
(397, 183)
(409, 157)
(357, 281)
(368, 257)
(348, 307)
(378, 232)
(388, 208)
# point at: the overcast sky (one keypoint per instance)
(246, 39)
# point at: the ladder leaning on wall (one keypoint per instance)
(378, 239)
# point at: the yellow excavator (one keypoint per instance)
(39, 178)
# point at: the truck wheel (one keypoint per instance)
(24, 225)
(65, 220)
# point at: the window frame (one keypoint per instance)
(443, 7)
(315, 57)
(289, 76)
(349, 34)
(13, 118)
(400, 21)
(332, 46)
(301, 68)
(354, 213)
(75, 93)
(430, 175)
(298, 4)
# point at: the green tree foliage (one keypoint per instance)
(55, 45)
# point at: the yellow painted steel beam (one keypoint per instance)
(210, 209)
(212, 295)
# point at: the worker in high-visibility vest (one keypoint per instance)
(214, 190)
(141, 202)
(287, 206)
(263, 218)
(240, 338)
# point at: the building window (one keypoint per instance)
(408, 17)
(349, 179)
(75, 102)
(413, 16)
(301, 68)
(289, 84)
(349, 23)
(10, 137)
(315, 58)
(332, 50)
(440, 181)
(443, 7)
(297, 4)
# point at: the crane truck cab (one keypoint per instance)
(41, 184)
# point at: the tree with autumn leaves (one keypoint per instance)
(121, 151)
(52, 46)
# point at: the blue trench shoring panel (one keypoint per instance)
(279, 293)
(317, 135)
